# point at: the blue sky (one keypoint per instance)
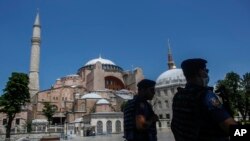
(131, 33)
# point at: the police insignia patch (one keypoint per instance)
(215, 102)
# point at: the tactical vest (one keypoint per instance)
(191, 120)
(129, 119)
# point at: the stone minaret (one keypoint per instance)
(35, 57)
(171, 64)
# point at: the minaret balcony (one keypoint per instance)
(35, 39)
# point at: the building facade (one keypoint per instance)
(95, 89)
(91, 97)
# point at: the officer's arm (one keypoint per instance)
(140, 122)
(226, 124)
(218, 112)
(143, 124)
(140, 119)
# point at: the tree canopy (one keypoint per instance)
(237, 90)
(48, 110)
(15, 96)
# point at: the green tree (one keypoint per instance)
(48, 111)
(93, 109)
(28, 125)
(123, 105)
(232, 85)
(245, 105)
(237, 90)
(15, 96)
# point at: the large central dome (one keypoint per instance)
(101, 60)
(171, 77)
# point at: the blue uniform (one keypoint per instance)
(135, 107)
(145, 109)
(197, 113)
(215, 107)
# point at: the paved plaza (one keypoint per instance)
(163, 135)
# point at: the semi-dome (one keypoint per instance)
(91, 96)
(101, 60)
(171, 77)
(102, 101)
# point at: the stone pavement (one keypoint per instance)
(163, 135)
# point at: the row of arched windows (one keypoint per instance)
(111, 67)
(108, 127)
(160, 104)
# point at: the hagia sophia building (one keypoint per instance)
(92, 98)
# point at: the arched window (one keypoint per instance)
(118, 126)
(99, 127)
(159, 104)
(159, 123)
(160, 116)
(167, 104)
(113, 83)
(165, 92)
(167, 116)
(109, 127)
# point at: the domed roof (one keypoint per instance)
(37, 121)
(72, 75)
(171, 77)
(123, 91)
(91, 96)
(102, 101)
(100, 59)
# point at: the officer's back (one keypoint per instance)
(198, 115)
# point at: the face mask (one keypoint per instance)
(205, 81)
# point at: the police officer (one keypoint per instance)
(198, 115)
(139, 117)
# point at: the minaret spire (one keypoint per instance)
(35, 57)
(171, 64)
(37, 20)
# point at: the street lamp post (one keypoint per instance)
(66, 130)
